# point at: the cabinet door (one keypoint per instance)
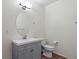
(37, 51)
(30, 52)
(25, 54)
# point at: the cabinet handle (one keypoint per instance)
(32, 50)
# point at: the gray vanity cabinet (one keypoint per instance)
(27, 51)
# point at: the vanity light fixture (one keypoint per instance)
(25, 4)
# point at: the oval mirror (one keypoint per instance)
(22, 23)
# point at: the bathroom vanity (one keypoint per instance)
(26, 49)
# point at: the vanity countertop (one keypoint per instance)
(26, 41)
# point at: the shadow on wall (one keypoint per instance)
(52, 1)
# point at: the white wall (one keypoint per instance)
(60, 26)
(9, 15)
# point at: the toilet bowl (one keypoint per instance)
(47, 50)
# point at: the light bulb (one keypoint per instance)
(28, 5)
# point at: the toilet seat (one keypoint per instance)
(48, 47)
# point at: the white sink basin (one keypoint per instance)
(26, 41)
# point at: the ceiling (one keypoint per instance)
(45, 2)
(42, 2)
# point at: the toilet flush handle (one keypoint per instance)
(56, 43)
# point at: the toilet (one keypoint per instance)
(47, 49)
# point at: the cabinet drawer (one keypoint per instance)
(25, 46)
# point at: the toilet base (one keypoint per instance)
(48, 54)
